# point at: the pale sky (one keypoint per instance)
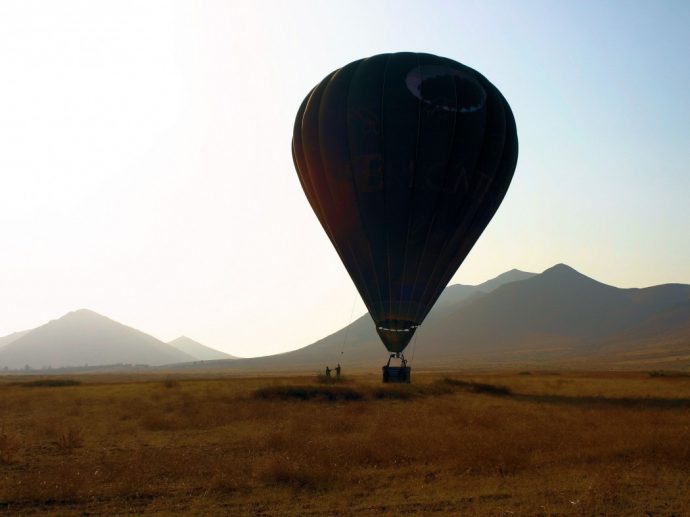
(146, 174)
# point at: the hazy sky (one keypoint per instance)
(146, 174)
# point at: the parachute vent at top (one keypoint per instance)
(404, 158)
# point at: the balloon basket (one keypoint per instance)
(397, 374)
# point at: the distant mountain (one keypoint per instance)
(197, 350)
(359, 344)
(6, 340)
(559, 314)
(85, 337)
(460, 293)
(456, 295)
(557, 317)
(514, 275)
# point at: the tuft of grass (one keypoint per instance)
(67, 438)
(171, 383)
(157, 421)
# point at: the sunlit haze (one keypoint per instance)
(146, 171)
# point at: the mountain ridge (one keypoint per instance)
(6, 340)
(197, 350)
(86, 337)
(559, 316)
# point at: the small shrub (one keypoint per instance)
(664, 373)
(171, 383)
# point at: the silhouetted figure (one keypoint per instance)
(337, 371)
(328, 372)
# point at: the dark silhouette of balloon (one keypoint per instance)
(404, 158)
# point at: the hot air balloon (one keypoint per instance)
(404, 158)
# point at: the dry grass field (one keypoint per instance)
(454, 443)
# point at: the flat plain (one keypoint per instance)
(454, 442)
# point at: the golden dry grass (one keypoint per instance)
(547, 444)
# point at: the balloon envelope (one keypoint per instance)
(404, 158)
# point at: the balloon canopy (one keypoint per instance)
(404, 158)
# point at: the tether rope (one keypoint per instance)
(414, 343)
(349, 324)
